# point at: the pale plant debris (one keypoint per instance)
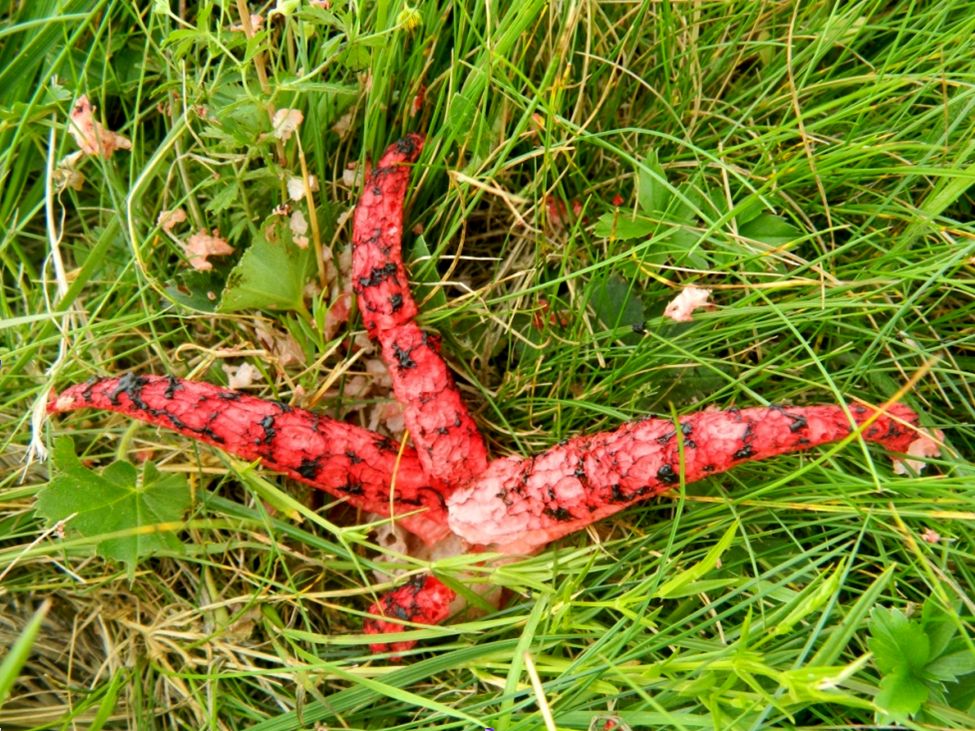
(282, 345)
(91, 135)
(257, 24)
(389, 416)
(352, 175)
(682, 307)
(66, 175)
(929, 535)
(299, 229)
(285, 123)
(169, 219)
(296, 186)
(926, 446)
(343, 125)
(338, 272)
(241, 377)
(202, 245)
(338, 312)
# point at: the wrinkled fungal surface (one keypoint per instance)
(344, 460)
(444, 488)
(448, 443)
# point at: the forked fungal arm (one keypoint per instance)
(513, 505)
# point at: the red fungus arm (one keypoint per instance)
(379, 277)
(344, 460)
(423, 599)
(519, 505)
(448, 444)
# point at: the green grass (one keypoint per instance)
(811, 162)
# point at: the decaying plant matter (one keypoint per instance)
(444, 487)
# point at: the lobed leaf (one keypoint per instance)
(118, 500)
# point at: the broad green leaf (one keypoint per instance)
(676, 585)
(938, 626)
(271, 274)
(961, 695)
(950, 666)
(745, 210)
(118, 499)
(901, 695)
(356, 56)
(915, 657)
(617, 304)
(684, 241)
(898, 644)
(684, 236)
(195, 289)
(624, 226)
(466, 122)
(769, 229)
(652, 193)
(244, 122)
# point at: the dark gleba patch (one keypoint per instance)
(378, 275)
(744, 453)
(353, 457)
(90, 384)
(131, 385)
(173, 385)
(666, 474)
(267, 424)
(560, 514)
(351, 488)
(309, 468)
(404, 357)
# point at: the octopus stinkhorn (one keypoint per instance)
(445, 487)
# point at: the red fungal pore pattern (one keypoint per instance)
(520, 505)
(450, 449)
(423, 599)
(449, 445)
(345, 460)
(379, 278)
(514, 505)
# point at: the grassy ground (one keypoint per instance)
(810, 162)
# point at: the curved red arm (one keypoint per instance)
(345, 460)
(423, 600)
(519, 505)
(513, 505)
(448, 444)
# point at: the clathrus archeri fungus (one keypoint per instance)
(445, 487)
